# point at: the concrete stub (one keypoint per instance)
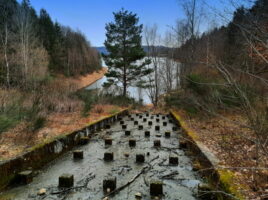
(127, 133)
(173, 160)
(108, 156)
(140, 158)
(157, 143)
(174, 128)
(147, 133)
(25, 177)
(84, 140)
(66, 180)
(138, 196)
(156, 188)
(78, 154)
(167, 134)
(108, 141)
(107, 126)
(132, 142)
(183, 144)
(109, 184)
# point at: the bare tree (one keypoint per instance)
(193, 13)
(6, 9)
(152, 40)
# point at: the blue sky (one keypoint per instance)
(90, 16)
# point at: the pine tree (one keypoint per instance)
(124, 46)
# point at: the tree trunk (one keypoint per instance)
(6, 59)
(124, 83)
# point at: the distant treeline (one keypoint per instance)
(32, 47)
(242, 43)
(161, 50)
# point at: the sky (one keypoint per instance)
(90, 16)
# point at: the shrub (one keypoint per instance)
(118, 100)
(198, 83)
(98, 109)
(38, 123)
(11, 115)
(89, 97)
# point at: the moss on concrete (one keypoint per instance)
(225, 177)
(35, 151)
(184, 126)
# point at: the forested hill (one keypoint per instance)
(33, 47)
(239, 44)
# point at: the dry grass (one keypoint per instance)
(56, 103)
(17, 140)
(232, 144)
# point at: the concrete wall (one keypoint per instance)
(41, 154)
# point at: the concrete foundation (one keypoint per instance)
(25, 177)
(157, 143)
(107, 126)
(108, 156)
(140, 158)
(109, 184)
(167, 134)
(156, 188)
(66, 180)
(147, 133)
(84, 140)
(108, 141)
(127, 133)
(173, 160)
(132, 143)
(78, 154)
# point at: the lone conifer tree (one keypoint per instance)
(124, 49)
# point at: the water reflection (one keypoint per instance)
(167, 70)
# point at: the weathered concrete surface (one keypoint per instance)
(179, 182)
